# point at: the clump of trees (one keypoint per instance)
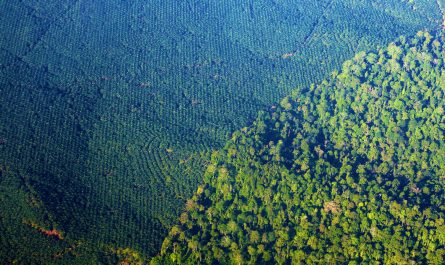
(347, 171)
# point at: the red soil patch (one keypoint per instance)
(52, 232)
(49, 233)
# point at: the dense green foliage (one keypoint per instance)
(29, 234)
(110, 109)
(347, 171)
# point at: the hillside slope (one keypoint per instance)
(348, 170)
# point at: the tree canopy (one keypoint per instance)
(350, 170)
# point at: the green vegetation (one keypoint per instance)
(110, 109)
(347, 171)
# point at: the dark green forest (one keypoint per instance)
(111, 111)
(347, 171)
